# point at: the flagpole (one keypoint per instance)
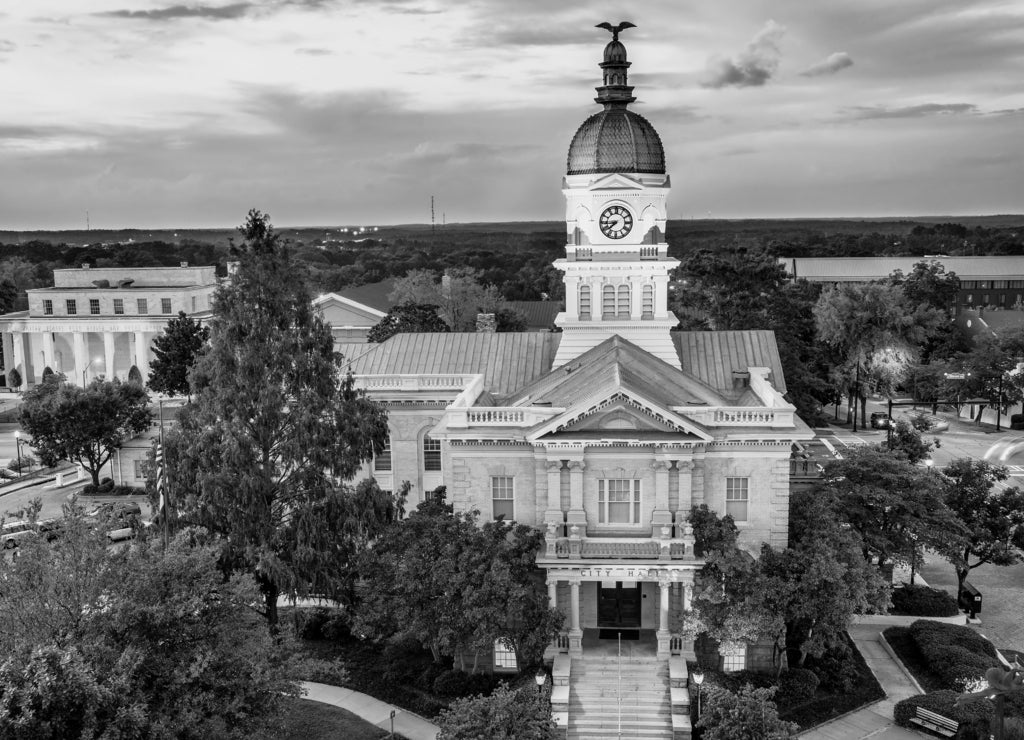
(160, 482)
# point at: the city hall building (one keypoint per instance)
(607, 433)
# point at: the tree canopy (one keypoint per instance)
(459, 294)
(407, 318)
(84, 425)
(994, 519)
(262, 454)
(507, 714)
(137, 642)
(749, 714)
(175, 352)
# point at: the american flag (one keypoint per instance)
(159, 460)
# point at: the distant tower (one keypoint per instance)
(616, 261)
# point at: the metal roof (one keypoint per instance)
(538, 314)
(713, 356)
(861, 269)
(507, 360)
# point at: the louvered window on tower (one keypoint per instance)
(648, 302)
(623, 308)
(608, 301)
(584, 301)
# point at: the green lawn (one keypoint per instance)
(314, 720)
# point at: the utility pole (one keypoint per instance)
(431, 214)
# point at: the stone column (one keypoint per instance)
(684, 469)
(575, 633)
(142, 354)
(78, 345)
(572, 297)
(8, 342)
(636, 298)
(19, 358)
(48, 351)
(664, 636)
(687, 647)
(554, 510)
(661, 516)
(108, 354)
(552, 593)
(577, 514)
(660, 296)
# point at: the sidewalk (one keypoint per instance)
(374, 711)
(874, 721)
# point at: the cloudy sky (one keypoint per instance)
(332, 112)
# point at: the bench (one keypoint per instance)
(936, 722)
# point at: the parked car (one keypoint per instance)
(880, 420)
(14, 532)
(119, 513)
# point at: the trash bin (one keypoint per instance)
(970, 600)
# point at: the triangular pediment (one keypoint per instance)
(340, 311)
(616, 181)
(619, 414)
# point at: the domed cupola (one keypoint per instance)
(616, 139)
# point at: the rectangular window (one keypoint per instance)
(618, 501)
(623, 309)
(503, 497)
(504, 657)
(1017, 283)
(94, 306)
(735, 659)
(737, 498)
(193, 304)
(431, 454)
(648, 302)
(119, 305)
(72, 306)
(608, 301)
(969, 284)
(382, 462)
(140, 472)
(165, 305)
(984, 299)
(47, 307)
(142, 306)
(999, 283)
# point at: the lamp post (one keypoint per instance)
(17, 441)
(698, 678)
(540, 678)
(86, 368)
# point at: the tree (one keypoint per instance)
(507, 714)
(906, 440)
(8, 295)
(928, 283)
(990, 370)
(407, 318)
(14, 378)
(894, 506)
(84, 425)
(459, 295)
(749, 714)
(175, 352)
(509, 320)
(139, 642)
(876, 333)
(994, 520)
(459, 587)
(261, 455)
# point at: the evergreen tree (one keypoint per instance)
(261, 455)
(175, 352)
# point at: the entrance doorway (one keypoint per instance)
(618, 604)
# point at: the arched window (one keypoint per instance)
(608, 301)
(648, 302)
(623, 303)
(584, 301)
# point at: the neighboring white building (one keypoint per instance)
(101, 321)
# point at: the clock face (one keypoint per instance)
(616, 222)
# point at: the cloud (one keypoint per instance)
(833, 63)
(911, 111)
(223, 12)
(752, 67)
(314, 52)
(7, 46)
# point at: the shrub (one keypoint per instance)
(404, 660)
(923, 601)
(951, 634)
(321, 623)
(1017, 421)
(735, 680)
(452, 683)
(835, 669)
(106, 486)
(797, 685)
(429, 675)
(482, 683)
(27, 461)
(7, 474)
(944, 703)
(14, 378)
(331, 672)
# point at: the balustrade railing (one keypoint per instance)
(740, 416)
(619, 548)
(413, 382)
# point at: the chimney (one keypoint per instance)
(486, 323)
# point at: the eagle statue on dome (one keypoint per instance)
(615, 29)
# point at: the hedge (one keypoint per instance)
(944, 703)
(923, 601)
(951, 634)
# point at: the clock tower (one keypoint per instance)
(616, 261)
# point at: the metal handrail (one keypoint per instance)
(619, 692)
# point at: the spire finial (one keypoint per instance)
(623, 25)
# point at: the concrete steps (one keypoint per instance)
(594, 699)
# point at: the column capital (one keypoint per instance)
(577, 465)
(659, 464)
(554, 466)
(684, 466)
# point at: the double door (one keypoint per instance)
(618, 604)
